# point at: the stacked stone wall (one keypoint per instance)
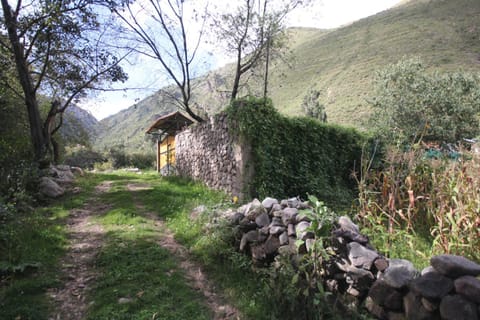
(210, 152)
(448, 289)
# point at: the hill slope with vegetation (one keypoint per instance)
(340, 63)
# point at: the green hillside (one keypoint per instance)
(340, 63)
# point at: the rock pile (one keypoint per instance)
(271, 227)
(55, 178)
(388, 288)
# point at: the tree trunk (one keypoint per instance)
(236, 81)
(36, 132)
(265, 83)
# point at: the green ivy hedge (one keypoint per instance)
(296, 156)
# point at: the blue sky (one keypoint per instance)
(146, 75)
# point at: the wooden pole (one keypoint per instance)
(158, 155)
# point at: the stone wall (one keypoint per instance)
(388, 288)
(210, 152)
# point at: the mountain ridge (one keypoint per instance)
(340, 63)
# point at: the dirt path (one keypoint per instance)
(195, 276)
(86, 239)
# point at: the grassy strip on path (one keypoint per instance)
(173, 199)
(139, 279)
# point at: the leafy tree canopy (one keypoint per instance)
(413, 105)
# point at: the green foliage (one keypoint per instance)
(412, 105)
(119, 158)
(299, 155)
(83, 157)
(312, 106)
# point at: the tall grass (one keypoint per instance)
(417, 206)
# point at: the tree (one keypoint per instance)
(159, 31)
(58, 50)
(411, 104)
(312, 107)
(251, 33)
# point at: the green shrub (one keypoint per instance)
(82, 157)
(293, 156)
(142, 160)
(119, 158)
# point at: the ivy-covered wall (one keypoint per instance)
(296, 156)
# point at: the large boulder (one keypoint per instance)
(49, 188)
(399, 273)
(454, 266)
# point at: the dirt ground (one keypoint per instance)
(86, 240)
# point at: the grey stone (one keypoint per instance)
(49, 188)
(455, 266)
(360, 256)
(289, 249)
(289, 215)
(125, 300)
(301, 217)
(352, 236)
(455, 307)
(283, 238)
(63, 167)
(262, 220)
(268, 203)
(276, 230)
(384, 295)
(399, 273)
(277, 213)
(255, 211)
(414, 310)
(360, 278)
(293, 202)
(248, 237)
(276, 207)
(375, 309)
(265, 231)
(353, 291)
(271, 245)
(429, 305)
(347, 224)
(432, 285)
(258, 252)
(284, 203)
(427, 270)
(77, 171)
(236, 218)
(381, 264)
(291, 230)
(301, 230)
(276, 221)
(247, 225)
(304, 205)
(243, 209)
(469, 288)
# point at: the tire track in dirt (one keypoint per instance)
(196, 278)
(86, 239)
